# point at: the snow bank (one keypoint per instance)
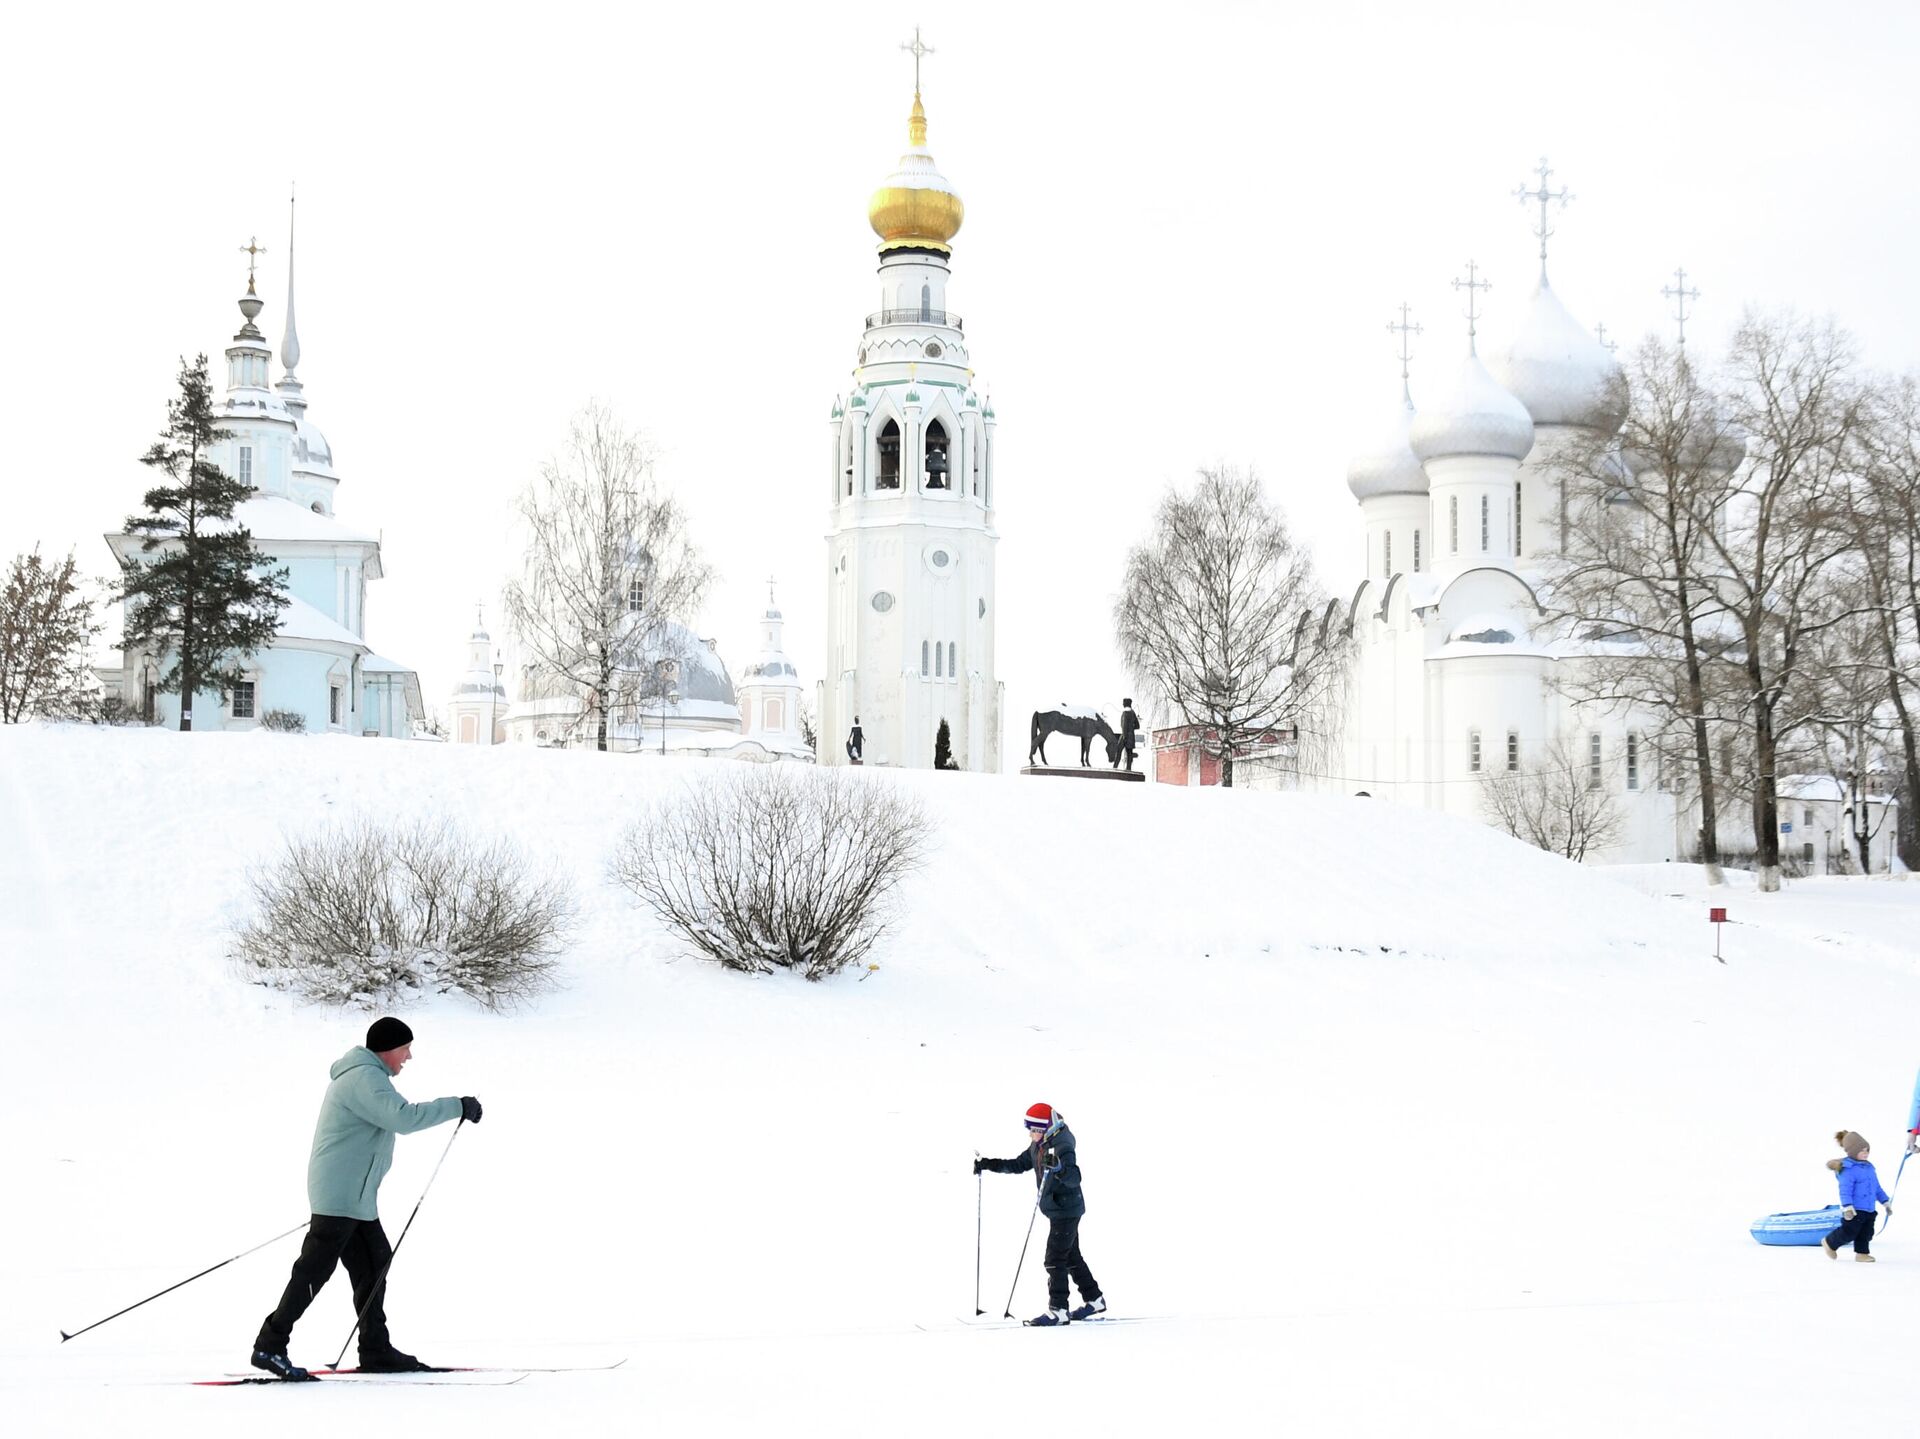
(1399, 1127)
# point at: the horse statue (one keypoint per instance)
(1082, 724)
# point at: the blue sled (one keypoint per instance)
(1805, 1227)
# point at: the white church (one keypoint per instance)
(911, 537)
(1451, 682)
(319, 666)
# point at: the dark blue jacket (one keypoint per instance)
(1860, 1186)
(1056, 1173)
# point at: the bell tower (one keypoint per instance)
(911, 538)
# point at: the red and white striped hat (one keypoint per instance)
(1040, 1117)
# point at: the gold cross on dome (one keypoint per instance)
(253, 249)
(917, 49)
(1600, 329)
(1472, 285)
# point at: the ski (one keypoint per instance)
(493, 1369)
(234, 1381)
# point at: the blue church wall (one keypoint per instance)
(293, 680)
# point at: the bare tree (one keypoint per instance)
(609, 567)
(1208, 613)
(1632, 583)
(778, 866)
(1561, 805)
(47, 630)
(1771, 548)
(1883, 514)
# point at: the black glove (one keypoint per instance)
(978, 1164)
(469, 1109)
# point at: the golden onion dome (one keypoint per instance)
(916, 207)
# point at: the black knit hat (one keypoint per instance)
(388, 1033)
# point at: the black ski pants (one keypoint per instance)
(360, 1244)
(1857, 1230)
(1063, 1261)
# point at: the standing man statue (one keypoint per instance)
(856, 742)
(352, 1151)
(1129, 726)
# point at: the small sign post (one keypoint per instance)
(1717, 916)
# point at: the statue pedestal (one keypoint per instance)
(1124, 776)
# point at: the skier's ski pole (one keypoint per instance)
(1023, 1261)
(374, 1291)
(64, 1336)
(978, 1191)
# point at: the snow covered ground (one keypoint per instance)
(1392, 1125)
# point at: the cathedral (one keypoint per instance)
(911, 537)
(1451, 677)
(319, 667)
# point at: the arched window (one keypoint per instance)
(1519, 535)
(1453, 523)
(1416, 552)
(1386, 554)
(926, 303)
(923, 659)
(936, 455)
(939, 663)
(889, 457)
(1485, 523)
(953, 660)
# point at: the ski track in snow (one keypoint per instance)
(1391, 1125)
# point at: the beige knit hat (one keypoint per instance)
(1851, 1142)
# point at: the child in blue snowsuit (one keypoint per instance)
(1860, 1191)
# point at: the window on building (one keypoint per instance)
(1386, 555)
(939, 661)
(889, 478)
(1633, 761)
(926, 303)
(1513, 751)
(1518, 533)
(1806, 853)
(636, 595)
(1416, 552)
(775, 714)
(1453, 524)
(243, 700)
(1806, 819)
(1485, 523)
(1473, 751)
(334, 711)
(1593, 761)
(937, 470)
(953, 660)
(246, 465)
(925, 659)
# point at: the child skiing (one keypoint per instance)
(1860, 1191)
(1056, 1176)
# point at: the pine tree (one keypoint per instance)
(206, 602)
(47, 630)
(943, 749)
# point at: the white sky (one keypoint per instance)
(1187, 227)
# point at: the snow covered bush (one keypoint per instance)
(362, 913)
(284, 721)
(777, 866)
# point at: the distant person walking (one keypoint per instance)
(1051, 1155)
(856, 742)
(1860, 1191)
(352, 1151)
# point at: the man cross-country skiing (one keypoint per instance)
(1056, 1175)
(352, 1151)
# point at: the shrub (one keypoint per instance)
(776, 867)
(116, 711)
(361, 914)
(284, 721)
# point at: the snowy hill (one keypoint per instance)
(1393, 1125)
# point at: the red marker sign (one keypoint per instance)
(1717, 917)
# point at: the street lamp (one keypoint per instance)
(493, 705)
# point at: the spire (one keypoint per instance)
(1406, 332)
(1544, 197)
(1680, 294)
(1472, 285)
(251, 303)
(290, 342)
(917, 121)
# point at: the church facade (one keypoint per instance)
(319, 666)
(1455, 677)
(911, 499)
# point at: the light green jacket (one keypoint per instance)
(353, 1140)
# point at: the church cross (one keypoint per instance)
(253, 249)
(769, 591)
(1406, 332)
(1680, 294)
(917, 49)
(1545, 197)
(1471, 285)
(1601, 331)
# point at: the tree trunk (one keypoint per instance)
(1906, 835)
(600, 697)
(1766, 801)
(1702, 750)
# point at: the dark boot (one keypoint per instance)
(275, 1362)
(388, 1360)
